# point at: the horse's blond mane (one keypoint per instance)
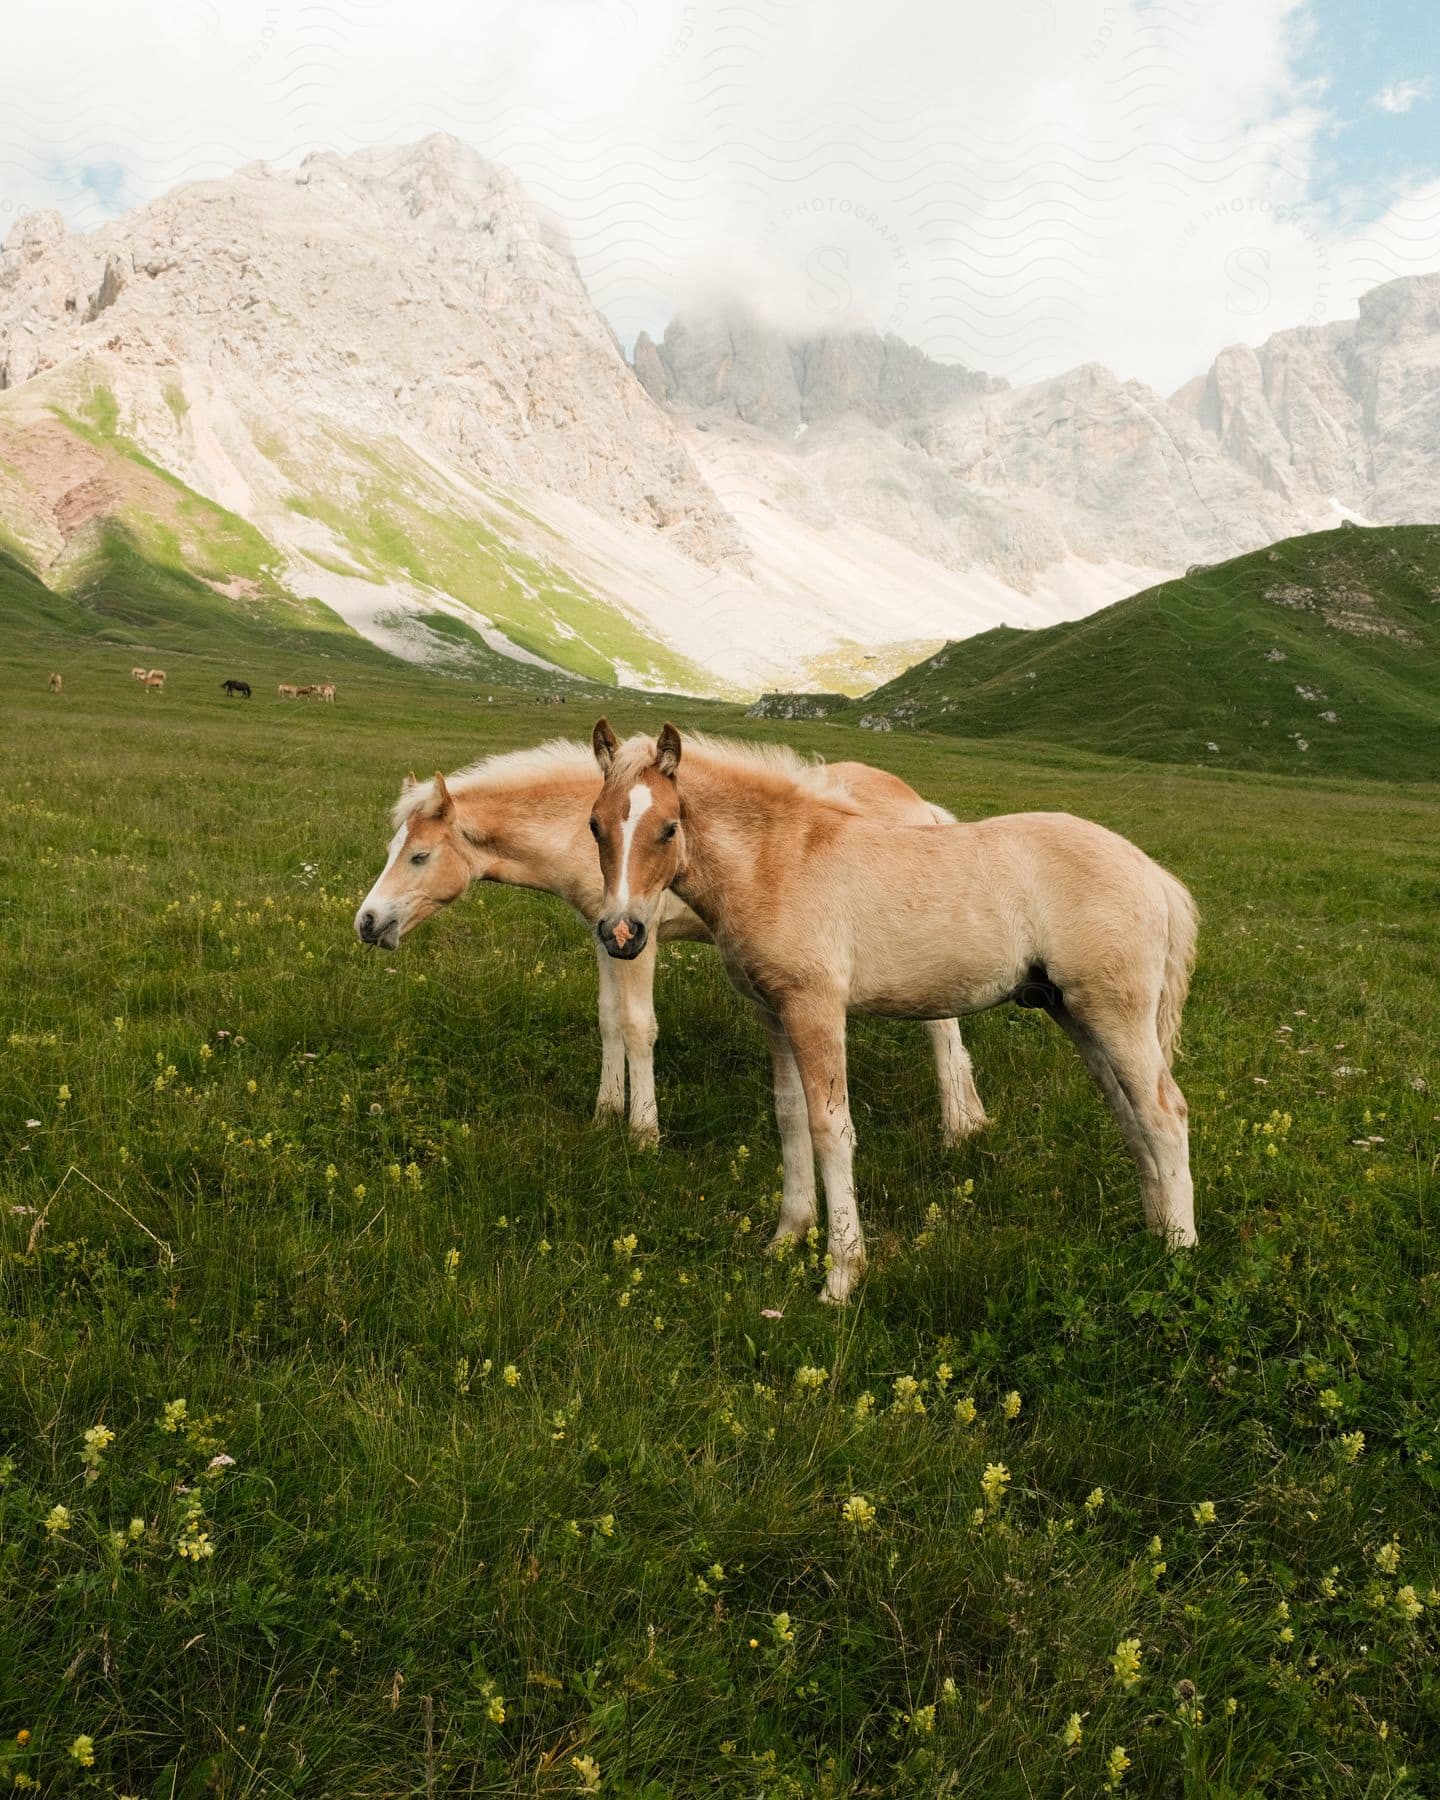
(559, 756)
(778, 762)
(568, 756)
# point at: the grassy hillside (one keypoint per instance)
(1320, 655)
(80, 499)
(126, 600)
(460, 1449)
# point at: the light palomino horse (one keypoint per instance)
(522, 819)
(326, 691)
(286, 692)
(151, 675)
(57, 682)
(819, 911)
(155, 681)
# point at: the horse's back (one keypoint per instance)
(883, 796)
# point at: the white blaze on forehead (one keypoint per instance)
(397, 844)
(641, 800)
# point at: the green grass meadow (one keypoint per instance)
(448, 1445)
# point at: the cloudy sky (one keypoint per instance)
(1019, 188)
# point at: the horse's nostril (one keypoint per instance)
(367, 923)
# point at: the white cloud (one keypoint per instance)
(1018, 188)
(1400, 96)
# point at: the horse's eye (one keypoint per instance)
(668, 832)
(595, 829)
(420, 856)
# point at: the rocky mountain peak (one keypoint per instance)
(728, 361)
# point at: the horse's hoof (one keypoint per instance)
(838, 1286)
(786, 1240)
(967, 1127)
(645, 1137)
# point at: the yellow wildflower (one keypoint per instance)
(1011, 1405)
(83, 1751)
(1408, 1603)
(1204, 1512)
(1116, 1763)
(588, 1770)
(908, 1398)
(858, 1512)
(993, 1484)
(57, 1520)
(1074, 1731)
(965, 1411)
(1125, 1661)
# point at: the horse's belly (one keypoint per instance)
(935, 983)
(940, 1002)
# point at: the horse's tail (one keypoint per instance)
(1182, 927)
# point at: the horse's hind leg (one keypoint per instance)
(798, 1209)
(1123, 1054)
(961, 1111)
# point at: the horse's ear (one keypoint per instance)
(604, 743)
(408, 783)
(444, 805)
(667, 750)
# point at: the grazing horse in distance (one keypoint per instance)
(56, 683)
(154, 672)
(138, 674)
(232, 688)
(155, 681)
(522, 819)
(819, 909)
(326, 691)
(286, 692)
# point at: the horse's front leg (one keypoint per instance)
(636, 984)
(610, 1101)
(816, 1031)
(797, 1205)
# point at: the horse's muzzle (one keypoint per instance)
(625, 938)
(370, 930)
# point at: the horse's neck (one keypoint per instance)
(540, 836)
(727, 822)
